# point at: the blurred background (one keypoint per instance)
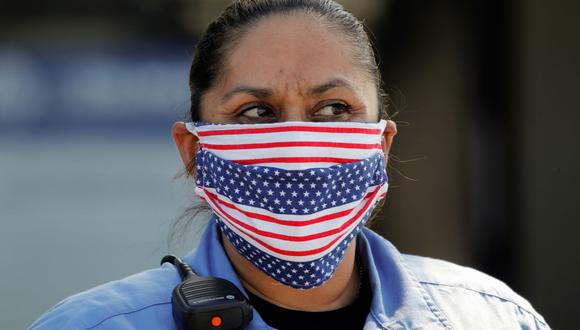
(485, 166)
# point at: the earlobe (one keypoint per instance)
(388, 136)
(187, 145)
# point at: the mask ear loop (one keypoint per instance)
(191, 170)
(197, 148)
(383, 126)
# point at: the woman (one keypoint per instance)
(288, 149)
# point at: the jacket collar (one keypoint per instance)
(210, 259)
(399, 301)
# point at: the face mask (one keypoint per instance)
(291, 196)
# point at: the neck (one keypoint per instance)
(339, 291)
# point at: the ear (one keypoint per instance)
(388, 135)
(186, 144)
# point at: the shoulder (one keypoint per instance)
(468, 298)
(431, 271)
(465, 294)
(141, 299)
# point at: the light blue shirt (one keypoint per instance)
(409, 292)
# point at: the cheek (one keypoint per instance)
(212, 116)
(209, 108)
(371, 100)
(374, 105)
(369, 93)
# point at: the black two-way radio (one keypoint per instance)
(211, 303)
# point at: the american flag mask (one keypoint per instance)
(291, 196)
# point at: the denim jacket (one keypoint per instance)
(409, 292)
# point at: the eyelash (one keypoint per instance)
(255, 106)
(340, 105)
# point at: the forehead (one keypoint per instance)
(293, 49)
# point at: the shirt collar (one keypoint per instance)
(399, 301)
(210, 259)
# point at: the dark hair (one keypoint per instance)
(237, 18)
(221, 36)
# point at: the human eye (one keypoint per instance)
(257, 112)
(332, 111)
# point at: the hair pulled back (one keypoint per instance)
(221, 36)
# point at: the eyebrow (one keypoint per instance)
(334, 83)
(262, 93)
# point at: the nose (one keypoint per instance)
(294, 113)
